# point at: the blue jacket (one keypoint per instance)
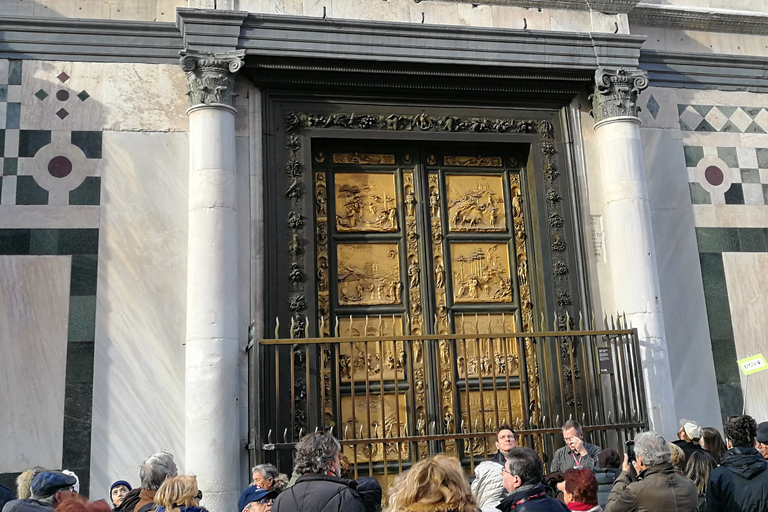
(184, 509)
(739, 484)
(534, 499)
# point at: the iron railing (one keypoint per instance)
(393, 399)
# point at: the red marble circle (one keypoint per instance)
(62, 95)
(714, 175)
(59, 167)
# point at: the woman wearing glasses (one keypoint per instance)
(179, 494)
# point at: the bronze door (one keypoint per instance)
(427, 240)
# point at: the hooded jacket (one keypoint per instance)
(320, 493)
(739, 484)
(605, 478)
(531, 498)
(658, 489)
(488, 485)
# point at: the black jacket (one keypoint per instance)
(739, 484)
(688, 449)
(499, 458)
(320, 493)
(534, 499)
(605, 478)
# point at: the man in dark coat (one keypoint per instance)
(505, 441)
(522, 478)
(658, 487)
(6, 495)
(740, 483)
(689, 436)
(319, 488)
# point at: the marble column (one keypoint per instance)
(630, 249)
(212, 413)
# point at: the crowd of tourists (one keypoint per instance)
(698, 472)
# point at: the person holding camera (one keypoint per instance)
(658, 488)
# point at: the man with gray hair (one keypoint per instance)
(576, 453)
(319, 488)
(152, 473)
(657, 487)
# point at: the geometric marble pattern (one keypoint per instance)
(727, 175)
(51, 166)
(718, 118)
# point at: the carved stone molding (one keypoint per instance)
(211, 75)
(616, 92)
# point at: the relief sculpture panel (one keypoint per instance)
(475, 203)
(485, 356)
(369, 274)
(480, 273)
(365, 202)
(363, 360)
(375, 417)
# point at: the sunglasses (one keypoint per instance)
(199, 495)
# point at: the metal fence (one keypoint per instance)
(393, 399)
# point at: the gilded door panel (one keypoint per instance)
(475, 203)
(365, 202)
(368, 274)
(375, 417)
(480, 272)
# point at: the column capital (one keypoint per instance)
(211, 75)
(616, 92)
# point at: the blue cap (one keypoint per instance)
(252, 494)
(120, 482)
(48, 483)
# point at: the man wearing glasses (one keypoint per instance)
(576, 453)
(522, 475)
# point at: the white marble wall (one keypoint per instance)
(697, 41)
(34, 305)
(138, 388)
(138, 10)
(746, 281)
(682, 298)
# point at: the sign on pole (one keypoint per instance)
(753, 364)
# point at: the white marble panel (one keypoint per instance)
(139, 10)
(34, 312)
(667, 116)
(434, 13)
(475, 15)
(682, 292)
(46, 216)
(520, 17)
(138, 397)
(570, 21)
(747, 284)
(392, 10)
(3, 71)
(732, 98)
(37, 114)
(146, 97)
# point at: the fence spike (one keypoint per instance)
(567, 321)
(543, 323)
(593, 321)
(477, 324)
(476, 425)
(581, 322)
(515, 324)
(269, 437)
(361, 432)
(434, 326)
(293, 324)
(378, 328)
(597, 417)
(306, 327)
(490, 328)
(346, 429)
(618, 320)
(322, 326)
(554, 325)
(285, 435)
(316, 428)
(376, 431)
(626, 324)
(613, 324)
(408, 322)
(394, 331)
(301, 432)
(277, 327)
(584, 418)
(557, 420)
(336, 327)
(623, 417)
(390, 430)
(503, 323)
(490, 427)
(609, 416)
(605, 320)
(365, 327)
(462, 425)
(570, 417)
(349, 332)
(433, 428)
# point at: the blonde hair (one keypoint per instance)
(176, 491)
(438, 482)
(676, 457)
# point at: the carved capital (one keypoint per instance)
(211, 75)
(616, 92)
